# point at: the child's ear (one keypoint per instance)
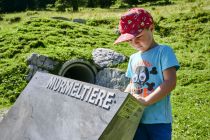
(152, 27)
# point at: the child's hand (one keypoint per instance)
(141, 99)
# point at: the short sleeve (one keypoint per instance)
(168, 59)
(129, 69)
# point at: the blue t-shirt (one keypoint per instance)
(146, 72)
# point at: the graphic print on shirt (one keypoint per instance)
(140, 84)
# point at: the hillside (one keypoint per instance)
(185, 27)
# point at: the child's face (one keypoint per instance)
(143, 41)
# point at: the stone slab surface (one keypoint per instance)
(57, 108)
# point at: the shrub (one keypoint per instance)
(61, 5)
(14, 19)
(30, 13)
(36, 44)
(1, 17)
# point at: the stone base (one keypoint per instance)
(57, 108)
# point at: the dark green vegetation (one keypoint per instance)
(185, 27)
(63, 5)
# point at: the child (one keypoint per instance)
(152, 71)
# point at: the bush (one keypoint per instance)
(36, 44)
(14, 19)
(61, 5)
(30, 13)
(49, 6)
(1, 17)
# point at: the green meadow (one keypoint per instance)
(185, 26)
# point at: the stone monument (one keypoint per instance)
(57, 108)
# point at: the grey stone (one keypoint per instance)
(107, 57)
(49, 64)
(79, 20)
(45, 71)
(112, 78)
(41, 60)
(30, 73)
(33, 59)
(32, 70)
(35, 68)
(57, 108)
(40, 63)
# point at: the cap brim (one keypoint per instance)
(124, 38)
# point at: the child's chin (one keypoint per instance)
(140, 49)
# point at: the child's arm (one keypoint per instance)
(160, 92)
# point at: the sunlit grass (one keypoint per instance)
(183, 26)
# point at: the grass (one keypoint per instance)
(183, 26)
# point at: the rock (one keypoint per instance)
(40, 63)
(41, 60)
(112, 78)
(30, 73)
(49, 64)
(79, 21)
(107, 57)
(33, 59)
